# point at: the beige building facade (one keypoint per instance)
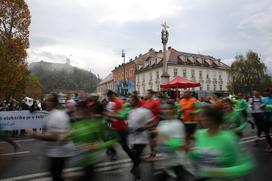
(210, 72)
(105, 85)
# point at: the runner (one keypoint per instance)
(188, 105)
(217, 152)
(257, 113)
(267, 102)
(233, 120)
(240, 105)
(138, 119)
(171, 137)
(57, 126)
(118, 124)
(91, 132)
(154, 106)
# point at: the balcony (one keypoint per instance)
(214, 81)
(208, 81)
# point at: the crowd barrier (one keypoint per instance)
(17, 120)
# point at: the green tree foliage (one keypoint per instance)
(33, 87)
(248, 73)
(29, 86)
(77, 79)
(14, 40)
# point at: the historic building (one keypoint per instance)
(124, 78)
(207, 70)
(105, 84)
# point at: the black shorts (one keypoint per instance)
(190, 128)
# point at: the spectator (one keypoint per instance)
(34, 107)
(24, 106)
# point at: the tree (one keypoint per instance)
(51, 79)
(14, 40)
(248, 73)
(33, 87)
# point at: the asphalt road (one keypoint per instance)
(29, 163)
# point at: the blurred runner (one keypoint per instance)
(171, 137)
(138, 119)
(153, 105)
(57, 126)
(267, 102)
(233, 120)
(217, 152)
(188, 105)
(92, 135)
(240, 105)
(257, 113)
(118, 124)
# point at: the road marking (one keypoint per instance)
(19, 141)
(15, 153)
(46, 174)
(246, 138)
(24, 140)
(101, 167)
(43, 179)
(24, 177)
(251, 137)
(248, 141)
(113, 163)
(113, 167)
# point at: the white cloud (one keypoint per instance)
(95, 31)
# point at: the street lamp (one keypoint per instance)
(124, 84)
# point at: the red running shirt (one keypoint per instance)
(118, 124)
(154, 106)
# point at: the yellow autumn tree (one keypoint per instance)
(14, 40)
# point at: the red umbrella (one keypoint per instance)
(180, 82)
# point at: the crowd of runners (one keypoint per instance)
(186, 138)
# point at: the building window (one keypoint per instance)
(200, 74)
(175, 72)
(150, 76)
(220, 77)
(220, 87)
(208, 76)
(131, 73)
(143, 78)
(193, 73)
(208, 87)
(126, 74)
(184, 73)
(214, 87)
(157, 74)
(200, 88)
(158, 88)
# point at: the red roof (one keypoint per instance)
(180, 82)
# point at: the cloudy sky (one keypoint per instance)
(92, 33)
